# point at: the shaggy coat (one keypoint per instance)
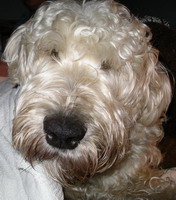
(92, 100)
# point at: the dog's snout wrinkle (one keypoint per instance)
(64, 132)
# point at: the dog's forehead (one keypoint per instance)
(99, 28)
(96, 33)
(91, 23)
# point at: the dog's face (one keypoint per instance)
(88, 77)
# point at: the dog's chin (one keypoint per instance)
(69, 167)
(75, 167)
(72, 172)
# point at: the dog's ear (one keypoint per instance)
(15, 56)
(157, 91)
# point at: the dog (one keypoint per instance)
(92, 100)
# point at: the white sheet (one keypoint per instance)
(18, 180)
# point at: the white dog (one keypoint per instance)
(92, 100)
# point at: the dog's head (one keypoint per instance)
(90, 88)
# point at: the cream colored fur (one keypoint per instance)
(93, 60)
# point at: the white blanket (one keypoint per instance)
(18, 180)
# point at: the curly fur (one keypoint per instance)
(164, 39)
(94, 61)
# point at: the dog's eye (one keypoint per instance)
(105, 65)
(54, 54)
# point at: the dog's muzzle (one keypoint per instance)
(64, 132)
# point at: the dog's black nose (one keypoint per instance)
(64, 132)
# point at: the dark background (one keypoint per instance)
(12, 14)
(163, 9)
